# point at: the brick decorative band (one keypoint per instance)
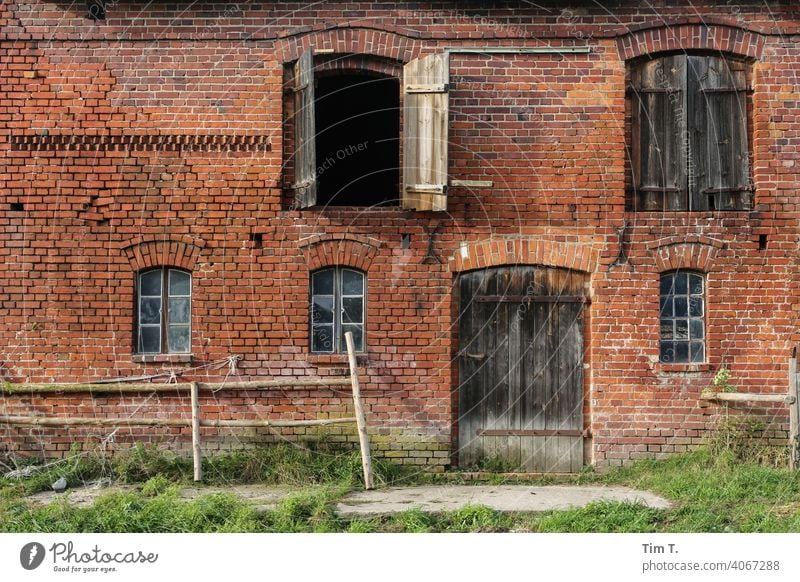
(237, 143)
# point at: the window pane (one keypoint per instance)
(666, 330)
(666, 307)
(697, 328)
(358, 337)
(667, 352)
(681, 287)
(681, 307)
(179, 310)
(322, 309)
(352, 310)
(696, 284)
(352, 283)
(681, 351)
(179, 283)
(682, 329)
(322, 338)
(150, 310)
(150, 283)
(150, 339)
(178, 338)
(322, 282)
(698, 352)
(696, 306)
(666, 284)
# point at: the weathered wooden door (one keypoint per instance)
(521, 368)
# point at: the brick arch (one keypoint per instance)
(493, 253)
(333, 64)
(339, 250)
(350, 40)
(697, 255)
(691, 36)
(149, 251)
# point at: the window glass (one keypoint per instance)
(164, 330)
(682, 328)
(337, 306)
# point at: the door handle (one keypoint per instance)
(475, 356)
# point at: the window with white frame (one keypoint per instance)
(164, 301)
(338, 305)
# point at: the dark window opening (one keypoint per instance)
(96, 10)
(357, 141)
(682, 302)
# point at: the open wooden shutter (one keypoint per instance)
(425, 113)
(717, 89)
(659, 154)
(305, 168)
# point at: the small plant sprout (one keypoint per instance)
(722, 381)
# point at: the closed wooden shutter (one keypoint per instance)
(659, 153)
(305, 184)
(425, 114)
(717, 90)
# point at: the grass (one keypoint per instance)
(713, 490)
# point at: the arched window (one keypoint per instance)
(164, 309)
(688, 133)
(682, 302)
(338, 305)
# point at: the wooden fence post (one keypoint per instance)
(196, 453)
(361, 421)
(794, 413)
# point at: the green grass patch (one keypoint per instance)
(713, 490)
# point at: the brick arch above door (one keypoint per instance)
(495, 252)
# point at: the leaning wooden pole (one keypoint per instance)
(794, 413)
(361, 421)
(196, 452)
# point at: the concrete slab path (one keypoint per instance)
(430, 498)
(440, 498)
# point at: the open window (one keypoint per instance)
(688, 133)
(347, 136)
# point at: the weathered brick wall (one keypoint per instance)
(179, 112)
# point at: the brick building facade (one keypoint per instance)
(156, 155)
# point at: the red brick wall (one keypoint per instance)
(179, 114)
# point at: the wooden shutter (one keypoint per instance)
(425, 113)
(658, 125)
(717, 90)
(305, 168)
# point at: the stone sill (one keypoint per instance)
(683, 368)
(335, 360)
(162, 358)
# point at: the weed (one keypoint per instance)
(739, 439)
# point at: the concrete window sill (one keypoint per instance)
(335, 360)
(683, 368)
(162, 358)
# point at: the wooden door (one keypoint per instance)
(521, 368)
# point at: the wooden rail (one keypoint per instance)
(8, 388)
(195, 421)
(790, 399)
